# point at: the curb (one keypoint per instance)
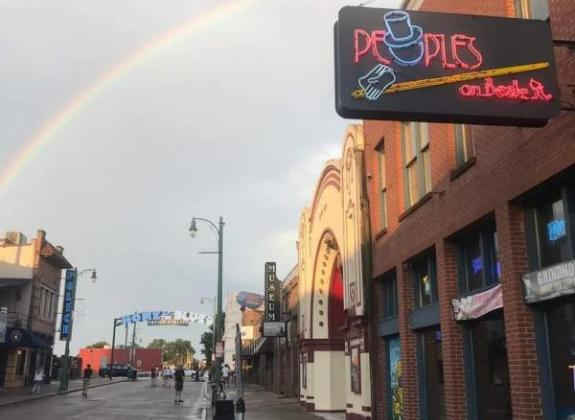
(53, 394)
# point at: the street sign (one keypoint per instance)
(443, 67)
(3, 323)
(274, 329)
(68, 305)
(273, 294)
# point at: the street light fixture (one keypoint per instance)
(65, 376)
(219, 231)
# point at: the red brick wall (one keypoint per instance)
(148, 357)
(509, 162)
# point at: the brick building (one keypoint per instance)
(30, 273)
(459, 215)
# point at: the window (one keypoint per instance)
(382, 188)
(390, 297)
(20, 361)
(355, 371)
(417, 165)
(479, 265)
(463, 144)
(424, 275)
(550, 225)
(532, 9)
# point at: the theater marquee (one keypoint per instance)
(440, 67)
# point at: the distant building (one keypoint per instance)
(233, 317)
(144, 359)
(30, 274)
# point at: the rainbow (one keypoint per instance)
(81, 99)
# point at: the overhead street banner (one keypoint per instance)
(442, 67)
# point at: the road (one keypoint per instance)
(126, 400)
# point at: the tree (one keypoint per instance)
(207, 340)
(157, 343)
(98, 345)
(176, 352)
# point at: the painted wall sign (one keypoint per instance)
(68, 304)
(250, 300)
(273, 294)
(551, 282)
(479, 304)
(439, 67)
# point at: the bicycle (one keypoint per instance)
(218, 393)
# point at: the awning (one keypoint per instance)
(21, 337)
(13, 282)
(264, 346)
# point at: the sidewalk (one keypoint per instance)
(265, 405)
(15, 396)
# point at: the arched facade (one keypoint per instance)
(333, 232)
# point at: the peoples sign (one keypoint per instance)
(438, 67)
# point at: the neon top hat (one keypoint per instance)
(401, 37)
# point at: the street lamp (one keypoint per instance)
(219, 231)
(64, 378)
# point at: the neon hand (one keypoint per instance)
(376, 81)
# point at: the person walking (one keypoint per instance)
(86, 375)
(226, 375)
(179, 376)
(153, 375)
(166, 376)
(38, 378)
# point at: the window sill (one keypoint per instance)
(456, 173)
(380, 234)
(415, 206)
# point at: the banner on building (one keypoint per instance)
(444, 67)
(219, 349)
(68, 305)
(479, 304)
(551, 282)
(3, 324)
(273, 294)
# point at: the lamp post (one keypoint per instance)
(213, 302)
(219, 231)
(64, 378)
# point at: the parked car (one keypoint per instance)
(119, 370)
(191, 373)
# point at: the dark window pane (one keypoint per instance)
(424, 276)
(491, 369)
(474, 263)
(561, 331)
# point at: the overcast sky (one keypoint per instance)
(234, 119)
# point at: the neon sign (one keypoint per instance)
(534, 92)
(421, 66)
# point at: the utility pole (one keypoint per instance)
(132, 349)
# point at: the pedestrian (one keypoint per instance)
(86, 375)
(226, 374)
(179, 376)
(153, 375)
(38, 378)
(166, 377)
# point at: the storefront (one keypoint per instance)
(480, 312)
(550, 290)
